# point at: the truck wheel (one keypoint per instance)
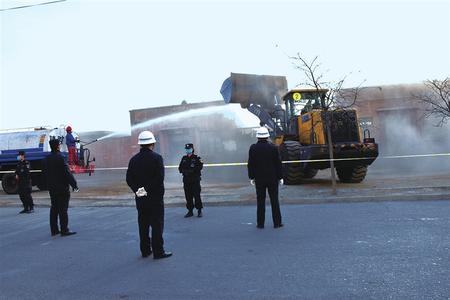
(42, 186)
(9, 183)
(292, 172)
(40, 181)
(310, 173)
(353, 174)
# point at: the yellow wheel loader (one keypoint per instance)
(297, 120)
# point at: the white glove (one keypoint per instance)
(141, 192)
(76, 190)
(252, 181)
(281, 182)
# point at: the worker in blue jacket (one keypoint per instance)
(71, 146)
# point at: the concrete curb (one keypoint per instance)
(95, 202)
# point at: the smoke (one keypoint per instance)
(408, 134)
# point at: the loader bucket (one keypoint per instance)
(246, 89)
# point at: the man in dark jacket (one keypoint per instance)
(145, 177)
(58, 179)
(191, 166)
(24, 178)
(265, 171)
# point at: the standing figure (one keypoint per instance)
(58, 179)
(191, 166)
(24, 177)
(145, 177)
(265, 172)
(71, 146)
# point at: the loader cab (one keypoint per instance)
(299, 102)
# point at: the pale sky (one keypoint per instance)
(87, 63)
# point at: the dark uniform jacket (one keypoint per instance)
(57, 173)
(146, 169)
(191, 167)
(23, 172)
(264, 163)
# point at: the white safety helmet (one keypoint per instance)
(262, 133)
(146, 138)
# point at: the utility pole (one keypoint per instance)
(330, 150)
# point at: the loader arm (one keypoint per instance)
(259, 94)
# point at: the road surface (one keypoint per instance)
(383, 250)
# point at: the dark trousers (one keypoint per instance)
(272, 188)
(58, 209)
(150, 215)
(25, 197)
(192, 191)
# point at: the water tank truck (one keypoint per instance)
(35, 143)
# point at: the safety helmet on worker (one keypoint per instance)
(69, 129)
(262, 133)
(146, 138)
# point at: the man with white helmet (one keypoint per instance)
(265, 172)
(145, 177)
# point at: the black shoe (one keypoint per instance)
(278, 225)
(30, 211)
(260, 226)
(189, 214)
(147, 254)
(163, 255)
(24, 211)
(67, 233)
(56, 233)
(199, 213)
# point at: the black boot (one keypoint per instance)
(199, 213)
(189, 214)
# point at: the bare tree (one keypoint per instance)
(336, 96)
(436, 98)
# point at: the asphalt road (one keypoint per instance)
(385, 250)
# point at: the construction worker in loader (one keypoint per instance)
(71, 146)
(24, 178)
(191, 166)
(265, 172)
(145, 177)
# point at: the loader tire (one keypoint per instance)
(310, 173)
(292, 172)
(353, 174)
(9, 183)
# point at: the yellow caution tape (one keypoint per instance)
(284, 162)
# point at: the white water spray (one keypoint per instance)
(115, 135)
(242, 118)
